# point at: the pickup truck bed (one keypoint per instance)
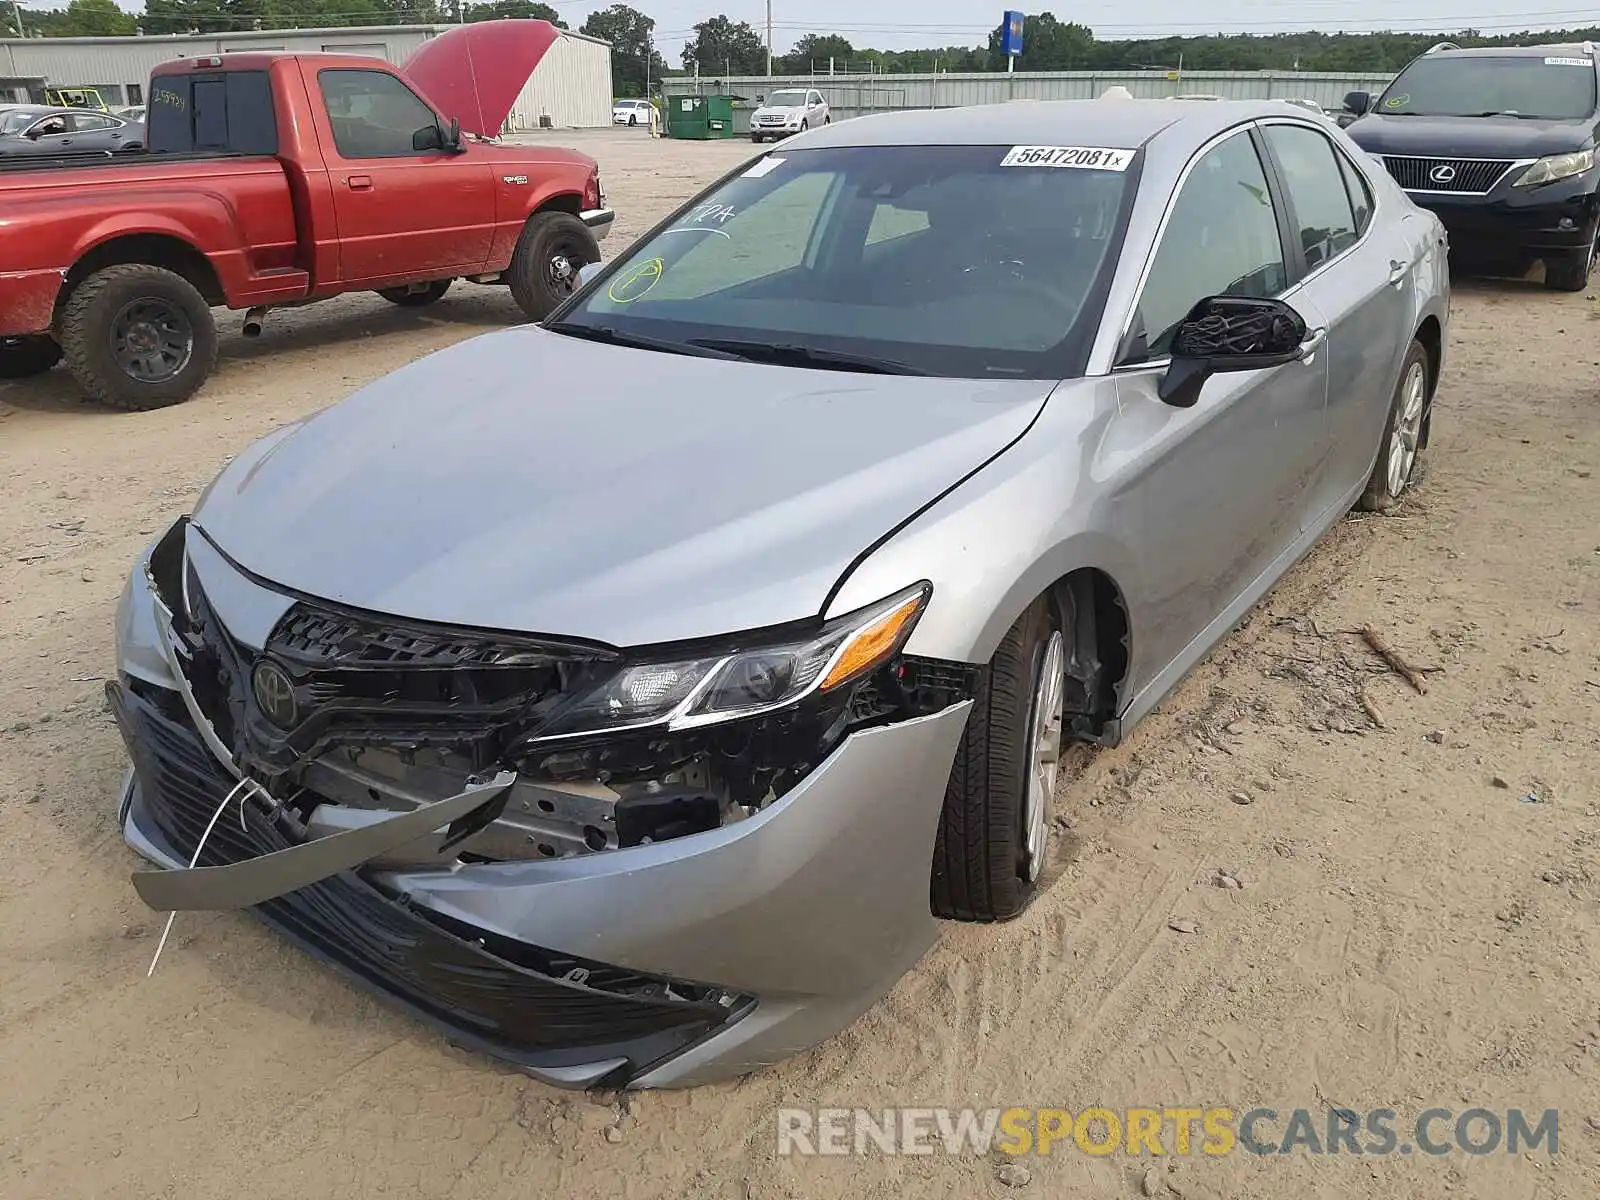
(275, 179)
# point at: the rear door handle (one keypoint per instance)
(1398, 271)
(1313, 343)
(360, 183)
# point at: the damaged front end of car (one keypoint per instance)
(605, 866)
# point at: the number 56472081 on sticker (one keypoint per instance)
(1086, 158)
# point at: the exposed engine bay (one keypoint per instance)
(345, 719)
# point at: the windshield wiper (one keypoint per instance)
(638, 341)
(808, 356)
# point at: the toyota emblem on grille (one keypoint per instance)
(1443, 173)
(274, 692)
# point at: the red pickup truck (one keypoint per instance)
(277, 179)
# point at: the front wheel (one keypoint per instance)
(633, 120)
(804, 124)
(418, 298)
(25, 357)
(994, 831)
(553, 247)
(1402, 436)
(138, 337)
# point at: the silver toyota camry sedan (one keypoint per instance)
(632, 695)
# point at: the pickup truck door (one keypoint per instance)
(402, 213)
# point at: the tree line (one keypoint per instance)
(721, 46)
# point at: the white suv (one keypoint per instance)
(788, 111)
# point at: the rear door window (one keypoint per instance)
(1327, 225)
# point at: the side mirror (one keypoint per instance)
(453, 140)
(761, 99)
(1225, 334)
(429, 137)
(1359, 103)
(588, 271)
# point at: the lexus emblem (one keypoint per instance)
(274, 692)
(1443, 173)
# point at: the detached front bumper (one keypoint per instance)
(666, 964)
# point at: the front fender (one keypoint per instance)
(1043, 508)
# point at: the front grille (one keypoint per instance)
(1467, 176)
(496, 998)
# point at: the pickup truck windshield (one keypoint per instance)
(939, 257)
(1552, 88)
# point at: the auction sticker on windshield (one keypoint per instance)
(1084, 158)
(1569, 62)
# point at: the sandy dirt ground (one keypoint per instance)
(1419, 924)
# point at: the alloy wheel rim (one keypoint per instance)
(1407, 429)
(562, 270)
(1044, 741)
(152, 340)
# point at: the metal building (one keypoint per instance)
(854, 95)
(571, 87)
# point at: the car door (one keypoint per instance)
(1358, 273)
(816, 110)
(402, 213)
(92, 131)
(50, 134)
(1220, 488)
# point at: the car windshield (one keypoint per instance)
(945, 259)
(786, 100)
(1556, 86)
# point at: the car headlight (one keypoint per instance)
(683, 693)
(1556, 166)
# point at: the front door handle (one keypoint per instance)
(360, 183)
(1313, 343)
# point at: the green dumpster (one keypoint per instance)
(700, 117)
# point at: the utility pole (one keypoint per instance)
(769, 40)
(22, 33)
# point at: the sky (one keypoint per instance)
(906, 24)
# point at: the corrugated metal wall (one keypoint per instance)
(572, 84)
(855, 94)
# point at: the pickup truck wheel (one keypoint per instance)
(544, 267)
(994, 831)
(406, 298)
(138, 337)
(23, 357)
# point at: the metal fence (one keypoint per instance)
(854, 95)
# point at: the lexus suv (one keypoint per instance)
(1500, 143)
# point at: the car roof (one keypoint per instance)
(1560, 49)
(1114, 123)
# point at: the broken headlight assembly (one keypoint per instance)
(684, 693)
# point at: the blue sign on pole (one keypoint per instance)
(1011, 41)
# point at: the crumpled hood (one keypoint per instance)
(475, 72)
(1467, 137)
(529, 481)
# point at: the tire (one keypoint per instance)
(757, 138)
(1569, 273)
(1398, 457)
(828, 120)
(141, 295)
(537, 282)
(406, 298)
(632, 120)
(25, 357)
(805, 124)
(982, 867)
